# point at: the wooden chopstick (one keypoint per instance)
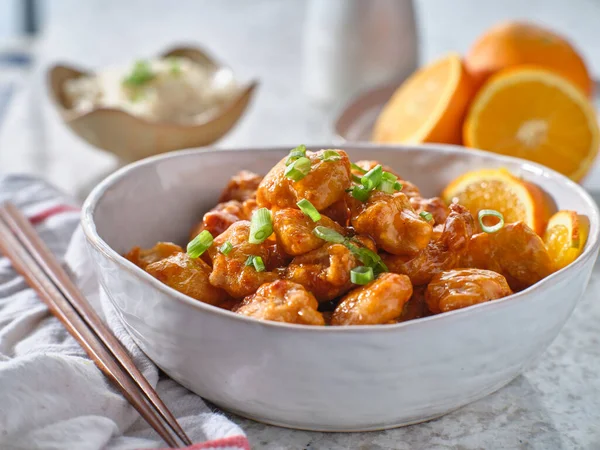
(25, 232)
(24, 263)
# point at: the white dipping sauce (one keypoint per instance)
(173, 90)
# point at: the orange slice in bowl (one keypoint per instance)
(498, 189)
(429, 106)
(565, 237)
(537, 115)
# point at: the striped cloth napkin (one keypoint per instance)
(51, 395)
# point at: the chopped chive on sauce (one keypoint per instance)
(226, 248)
(298, 169)
(256, 262)
(330, 155)
(261, 226)
(296, 153)
(360, 193)
(357, 168)
(197, 246)
(426, 216)
(308, 209)
(329, 235)
(366, 256)
(372, 178)
(362, 275)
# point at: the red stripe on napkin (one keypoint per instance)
(234, 443)
(45, 214)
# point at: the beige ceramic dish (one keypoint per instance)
(132, 138)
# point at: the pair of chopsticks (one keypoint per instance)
(21, 244)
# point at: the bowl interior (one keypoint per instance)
(161, 198)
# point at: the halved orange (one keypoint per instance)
(498, 189)
(537, 115)
(429, 106)
(565, 237)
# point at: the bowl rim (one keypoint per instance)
(89, 229)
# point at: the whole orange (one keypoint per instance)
(515, 43)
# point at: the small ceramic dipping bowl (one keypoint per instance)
(132, 137)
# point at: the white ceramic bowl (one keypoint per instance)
(329, 378)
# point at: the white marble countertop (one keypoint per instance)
(554, 405)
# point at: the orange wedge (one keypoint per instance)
(534, 114)
(565, 237)
(498, 189)
(429, 106)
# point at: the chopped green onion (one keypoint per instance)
(329, 235)
(296, 153)
(261, 226)
(307, 208)
(368, 257)
(426, 215)
(298, 169)
(387, 187)
(330, 155)
(398, 186)
(226, 248)
(491, 213)
(255, 261)
(372, 178)
(356, 178)
(357, 168)
(388, 176)
(199, 244)
(258, 264)
(360, 193)
(362, 275)
(140, 74)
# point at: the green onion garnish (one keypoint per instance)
(360, 193)
(388, 181)
(398, 186)
(426, 215)
(368, 257)
(387, 187)
(258, 264)
(298, 169)
(362, 275)
(330, 155)
(199, 244)
(261, 226)
(140, 74)
(492, 213)
(372, 178)
(357, 168)
(296, 153)
(226, 248)
(388, 176)
(255, 261)
(329, 235)
(307, 208)
(356, 178)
